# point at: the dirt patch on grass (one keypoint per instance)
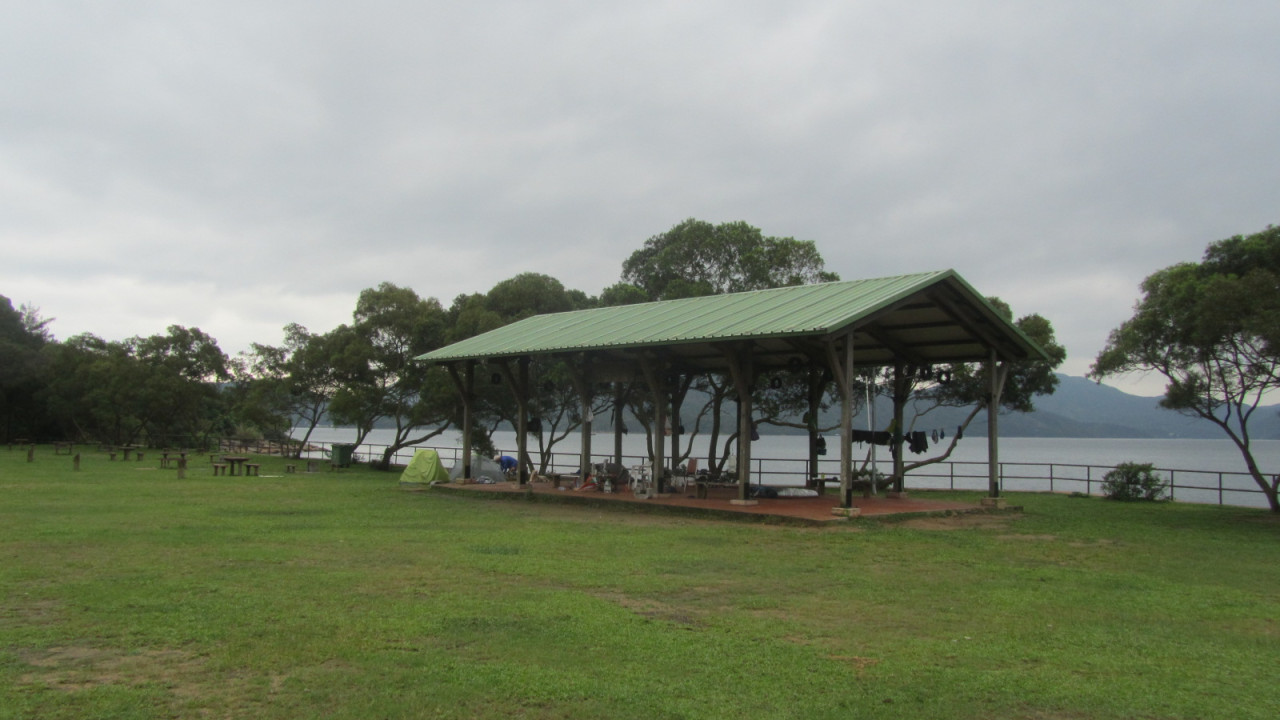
(655, 610)
(81, 668)
(38, 613)
(967, 521)
(854, 661)
(184, 675)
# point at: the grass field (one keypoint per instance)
(127, 593)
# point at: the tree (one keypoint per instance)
(161, 389)
(379, 376)
(968, 384)
(88, 393)
(1212, 329)
(22, 370)
(551, 402)
(181, 396)
(295, 380)
(696, 258)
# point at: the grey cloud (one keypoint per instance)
(283, 155)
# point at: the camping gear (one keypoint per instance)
(424, 468)
(483, 469)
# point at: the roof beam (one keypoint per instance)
(972, 320)
(893, 344)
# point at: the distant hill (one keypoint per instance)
(1082, 408)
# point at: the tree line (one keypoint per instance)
(180, 388)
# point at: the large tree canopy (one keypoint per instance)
(22, 334)
(378, 377)
(696, 258)
(1212, 329)
(162, 389)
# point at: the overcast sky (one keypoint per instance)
(237, 166)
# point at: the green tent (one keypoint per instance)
(425, 468)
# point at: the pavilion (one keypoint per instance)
(826, 331)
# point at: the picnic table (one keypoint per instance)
(164, 456)
(235, 461)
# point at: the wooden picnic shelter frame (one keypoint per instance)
(837, 328)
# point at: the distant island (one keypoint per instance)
(1081, 408)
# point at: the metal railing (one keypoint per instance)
(1198, 486)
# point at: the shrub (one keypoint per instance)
(1134, 481)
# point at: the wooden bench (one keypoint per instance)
(219, 468)
(58, 447)
(251, 469)
(291, 469)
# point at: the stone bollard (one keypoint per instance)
(76, 462)
(182, 468)
(31, 454)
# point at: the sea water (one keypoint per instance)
(1078, 463)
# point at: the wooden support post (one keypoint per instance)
(742, 370)
(817, 383)
(182, 468)
(842, 369)
(619, 422)
(581, 377)
(523, 379)
(75, 465)
(993, 426)
(899, 405)
(31, 454)
(673, 421)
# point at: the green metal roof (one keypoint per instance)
(933, 316)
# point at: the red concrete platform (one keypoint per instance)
(719, 503)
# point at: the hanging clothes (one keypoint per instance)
(918, 442)
(875, 437)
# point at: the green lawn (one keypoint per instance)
(127, 593)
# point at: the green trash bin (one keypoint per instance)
(340, 455)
